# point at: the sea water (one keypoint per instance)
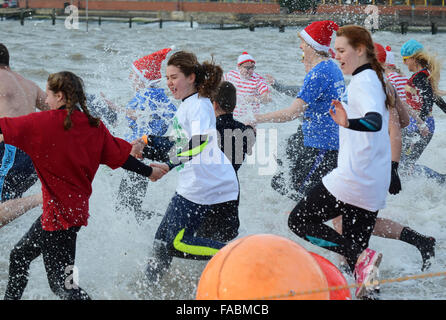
(113, 249)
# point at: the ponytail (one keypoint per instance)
(380, 72)
(208, 79)
(431, 63)
(208, 75)
(72, 88)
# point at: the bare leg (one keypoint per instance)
(12, 209)
(386, 228)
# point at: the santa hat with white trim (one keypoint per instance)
(245, 57)
(318, 34)
(148, 68)
(390, 57)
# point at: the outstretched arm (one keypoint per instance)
(12, 209)
(296, 108)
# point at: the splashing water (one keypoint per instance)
(113, 249)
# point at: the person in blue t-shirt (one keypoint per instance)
(149, 113)
(312, 151)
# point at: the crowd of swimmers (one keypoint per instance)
(343, 160)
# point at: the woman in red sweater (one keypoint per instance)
(66, 145)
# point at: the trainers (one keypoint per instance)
(366, 270)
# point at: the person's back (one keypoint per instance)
(18, 96)
(65, 160)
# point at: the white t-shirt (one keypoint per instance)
(209, 178)
(362, 177)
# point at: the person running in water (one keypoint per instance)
(387, 228)
(252, 89)
(207, 181)
(18, 96)
(357, 188)
(149, 113)
(421, 94)
(236, 140)
(66, 145)
(312, 152)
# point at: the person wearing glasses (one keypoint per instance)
(252, 88)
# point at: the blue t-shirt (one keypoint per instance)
(322, 84)
(158, 111)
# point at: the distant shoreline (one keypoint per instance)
(395, 18)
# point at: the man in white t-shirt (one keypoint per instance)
(252, 89)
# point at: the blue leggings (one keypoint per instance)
(192, 231)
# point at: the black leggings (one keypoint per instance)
(58, 249)
(308, 217)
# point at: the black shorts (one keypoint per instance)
(307, 220)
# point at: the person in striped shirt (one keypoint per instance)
(252, 88)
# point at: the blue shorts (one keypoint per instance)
(196, 231)
(412, 127)
(17, 172)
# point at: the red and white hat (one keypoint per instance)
(244, 57)
(390, 57)
(318, 34)
(149, 67)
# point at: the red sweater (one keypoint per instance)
(66, 161)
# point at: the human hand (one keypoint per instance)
(131, 114)
(159, 170)
(339, 115)
(137, 148)
(270, 80)
(424, 130)
(395, 182)
(1, 138)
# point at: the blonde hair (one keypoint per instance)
(318, 52)
(431, 63)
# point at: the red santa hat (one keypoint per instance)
(380, 53)
(390, 57)
(244, 57)
(149, 67)
(318, 34)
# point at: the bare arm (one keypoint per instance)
(40, 100)
(402, 109)
(296, 108)
(395, 134)
(12, 209)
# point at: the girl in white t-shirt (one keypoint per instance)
(358, 187)
(207, 182)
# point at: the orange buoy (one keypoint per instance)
(334, 277)
(262, 266)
